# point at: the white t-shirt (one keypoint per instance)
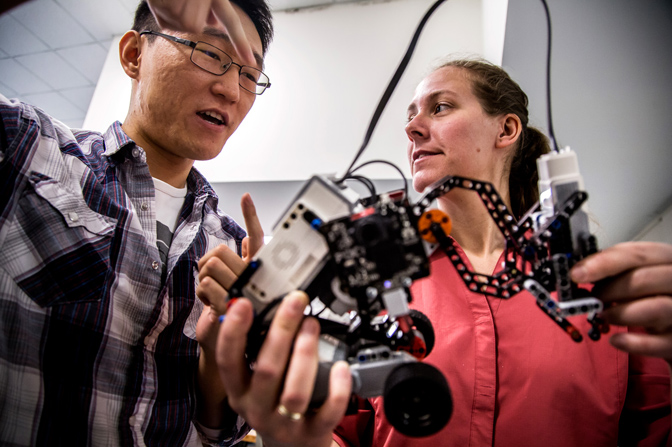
(169, 201)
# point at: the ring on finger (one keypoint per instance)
(283, 411)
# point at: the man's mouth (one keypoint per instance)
(212, 117)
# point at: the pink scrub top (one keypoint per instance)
(517, 379)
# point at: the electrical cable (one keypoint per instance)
(404, 63)
(391, 86)
(551, 134)
(387, 163)
(365, 181)
(402, 67)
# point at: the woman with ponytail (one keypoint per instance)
(516, 378)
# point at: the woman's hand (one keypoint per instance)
(634, 280)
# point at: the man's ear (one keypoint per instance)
(129, 53)
(510, 130)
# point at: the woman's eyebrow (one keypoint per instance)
(429, 98)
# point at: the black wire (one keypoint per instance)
(551, 134)
(387, 163)
(365, 181)
(391, 86)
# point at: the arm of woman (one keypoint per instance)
(634, 280)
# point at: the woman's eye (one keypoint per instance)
(441, 107)
(409, 118)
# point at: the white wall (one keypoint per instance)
(112, 94)
(612, 101)
(328, 68)
(659, 230)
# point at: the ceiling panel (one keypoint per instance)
(80, 97)
(52, 24)
(88, 59)
(8, 92)
(102, 20)
(16, 39)
(55, 101)
(20, 79)
(281, 5)
(53, 70)
(52, 51)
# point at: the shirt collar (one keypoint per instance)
(115, 139)
(199, 185)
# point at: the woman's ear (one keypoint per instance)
(510, 129)
(129, 53)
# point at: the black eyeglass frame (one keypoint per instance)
(192, 45)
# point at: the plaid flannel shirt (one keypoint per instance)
(94, 349)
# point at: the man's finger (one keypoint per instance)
(213, 294)
(194, 16)
(245, 248)
(224, 254)
(231, 345)
(340, 385)
(226, 13)
(207, 329)
(254, 229)
(275, 351)
(222, 265)
(302, 368)
(185, 16)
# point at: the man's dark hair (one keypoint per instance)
(257, 10)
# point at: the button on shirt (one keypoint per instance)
(94, 348)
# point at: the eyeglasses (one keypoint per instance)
(215, 61)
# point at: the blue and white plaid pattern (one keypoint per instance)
(94, 350)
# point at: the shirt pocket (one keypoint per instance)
(64, 254)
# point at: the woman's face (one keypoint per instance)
(448, 131)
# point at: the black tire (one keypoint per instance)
(424, 326)
(417, 399)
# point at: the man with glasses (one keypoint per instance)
(215, 61)
(102, 338)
